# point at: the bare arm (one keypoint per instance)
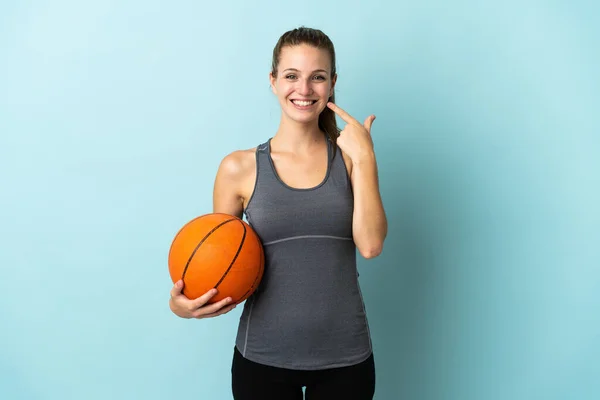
(228, 199)
(227, 192)
(369, 223)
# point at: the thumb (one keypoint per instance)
(177, 288)
(369, 122)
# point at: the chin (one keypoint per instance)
(303, 120)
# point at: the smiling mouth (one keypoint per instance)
(304, 103)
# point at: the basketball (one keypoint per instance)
(217, 251)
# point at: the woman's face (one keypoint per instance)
(303, 85)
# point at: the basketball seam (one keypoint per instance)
(256, 278)
(234, 257)
(200, 244)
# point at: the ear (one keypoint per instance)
(272, 80)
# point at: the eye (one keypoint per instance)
(319, 77)
(290, 76)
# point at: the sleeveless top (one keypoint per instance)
(307, 312)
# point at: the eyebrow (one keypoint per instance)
(295, 70)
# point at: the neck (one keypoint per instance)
(298, 137)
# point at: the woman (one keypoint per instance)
(311, 193)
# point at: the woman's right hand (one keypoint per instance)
(197, 308)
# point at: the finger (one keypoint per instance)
(212, 308)
(343, 114)
(177, 288)
(222, 311)
(202, 300)
(369, 122)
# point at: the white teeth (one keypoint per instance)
(302, 103)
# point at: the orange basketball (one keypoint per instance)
(217, 251)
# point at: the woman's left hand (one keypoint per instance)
(355, 139)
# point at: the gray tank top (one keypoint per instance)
(308, 312)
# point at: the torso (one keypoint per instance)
(307, 312)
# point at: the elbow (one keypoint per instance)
(370, 245)
(371, 251)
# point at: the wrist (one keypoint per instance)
(366, 159)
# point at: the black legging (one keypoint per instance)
(253, 381)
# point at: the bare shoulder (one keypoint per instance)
(238, 164)
(234, 182)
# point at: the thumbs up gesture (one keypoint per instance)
(355, 139)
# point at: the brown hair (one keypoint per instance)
(318, 39)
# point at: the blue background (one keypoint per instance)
(114, 116)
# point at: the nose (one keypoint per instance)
(304, 87)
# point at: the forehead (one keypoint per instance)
(304, 58)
